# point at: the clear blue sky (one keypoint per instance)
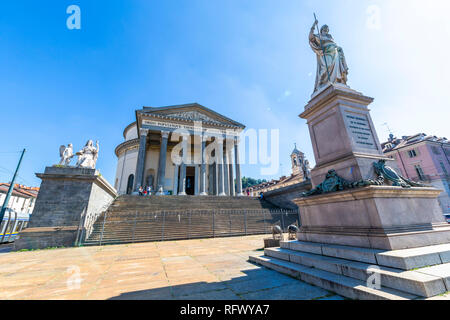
(249, 60)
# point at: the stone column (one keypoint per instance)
(196, 180)
(238, 168)
(162, 162)
(230, 169)
(231, 175)
(203, 169)
(140, 166)
(225, 172)
(175, 180)
(183, 168)
(220, 165)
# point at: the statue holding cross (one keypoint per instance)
(331, 64)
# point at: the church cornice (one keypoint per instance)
(187, 114)
(180, 119)
(125, 146)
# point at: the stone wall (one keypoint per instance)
(284, 197)
(67, 195)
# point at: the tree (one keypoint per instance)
(249, 182)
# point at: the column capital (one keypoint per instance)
(165, 134)
(205, 138)
(220, 139)
(143, 132)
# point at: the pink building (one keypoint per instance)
(424, 159)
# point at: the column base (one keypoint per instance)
(223, 194)
(240, 195)
(160, 191)
(182, 194)
(203, 194)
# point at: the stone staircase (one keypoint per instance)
(409, 274)
(132, 219)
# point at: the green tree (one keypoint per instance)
(249, 182)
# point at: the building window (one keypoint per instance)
(419, 171)
(443, 167)
(412, 153)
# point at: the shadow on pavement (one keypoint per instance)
(257, 284)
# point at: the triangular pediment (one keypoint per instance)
(191, 112)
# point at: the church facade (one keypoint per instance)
(180, 150)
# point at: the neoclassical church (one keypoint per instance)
(180, 150)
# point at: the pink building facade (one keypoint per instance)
(424, 159)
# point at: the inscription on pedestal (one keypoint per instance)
(360, 131)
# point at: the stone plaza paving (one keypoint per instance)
(204, 269)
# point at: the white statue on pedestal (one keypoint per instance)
(66, 154)
(87, 157)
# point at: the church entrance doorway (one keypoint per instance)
(190, 181)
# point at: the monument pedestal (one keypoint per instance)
(342, 134)
(377, 217)
(386, 217)
(361, 236)
(69, 198)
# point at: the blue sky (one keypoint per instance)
(249, 60)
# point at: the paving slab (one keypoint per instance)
(205, 269)
(295, 291)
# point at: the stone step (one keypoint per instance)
(405, 259)
(412, 282)
(345, 286)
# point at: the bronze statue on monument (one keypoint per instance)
(331, 64)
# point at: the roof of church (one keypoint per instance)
(190, 112)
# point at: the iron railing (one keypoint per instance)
(187, 224)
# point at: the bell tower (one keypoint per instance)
(297, 160)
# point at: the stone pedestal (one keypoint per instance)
(342, 134)
(382, 217)
(66, 197)
(360, 236)
(377, 217)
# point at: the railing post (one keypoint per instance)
(103, 227)
(80, 227)
(189, 224)
(134, 227)
(245, 221)
(214, 223)
(264, 216)
(163, 223)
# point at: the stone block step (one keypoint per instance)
(340, 284)
(405, 259)
(412, 282)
